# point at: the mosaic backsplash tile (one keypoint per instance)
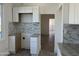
(29, 28)
(11, 28)
(71, 34)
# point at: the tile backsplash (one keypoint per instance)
(29, 28)
(71, 34)
(11, 28)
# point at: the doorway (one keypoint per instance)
(47, 32)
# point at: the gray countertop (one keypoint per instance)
(13, 34)
(35, 35)
(69, 49)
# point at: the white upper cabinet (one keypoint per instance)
(15, 15)
(74, 13)
(20, 10)
(26, 10)
(71, 13)
(65, 11)
(36, 14)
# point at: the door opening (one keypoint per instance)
(47, 32)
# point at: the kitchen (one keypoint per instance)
(24, 30)
(70, 44)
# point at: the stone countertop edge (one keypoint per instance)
(35, 35)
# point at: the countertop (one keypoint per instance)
(14, 34)
(69, 49)
(35, 35)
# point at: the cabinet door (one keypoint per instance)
(24, 9)
(12, 43)
(17, 10)
(71, 13)
(33, 45)
(76, 13)
(65, 12)
(36, 14)
(15, 15)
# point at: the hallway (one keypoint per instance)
(47, 32)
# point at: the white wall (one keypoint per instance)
(26, 17)
(58, 28)
(5, 17)
(62, 17)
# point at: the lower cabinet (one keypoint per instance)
(12, 44)
(35, 45)
(15, 43)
